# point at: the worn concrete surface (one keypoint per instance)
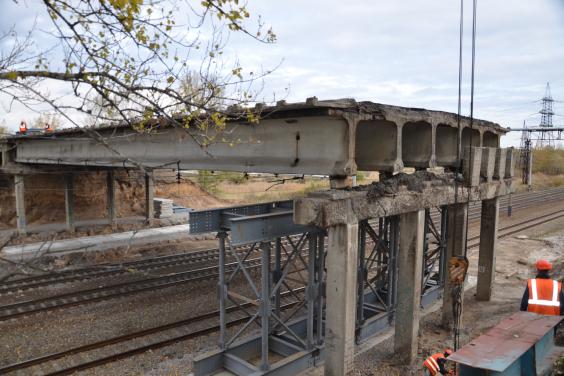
(399, 194)
(333, 137)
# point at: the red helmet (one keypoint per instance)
(543, 265)
(448, 352)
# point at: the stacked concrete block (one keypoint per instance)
(163, 207)
(500, 160)
(472, 164)
(488, 163)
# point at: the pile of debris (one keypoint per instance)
(163, 207)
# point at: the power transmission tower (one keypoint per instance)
(545, 134)
(546, 138)
(547, 109)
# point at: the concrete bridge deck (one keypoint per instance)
(333, 137)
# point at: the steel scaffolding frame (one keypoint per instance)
(284, 301)
(377, 270)
(280, 309)
(434, 256)
(377, 275)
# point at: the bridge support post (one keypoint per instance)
(488, 244)
(19, 191)
(69, 201)
(111, 197)
(410, 262)
(149, 196)
(456, 243)
(342, 259)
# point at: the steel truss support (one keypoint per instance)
(434, 256)
(272, 285)
(284, 302)
(378, 274)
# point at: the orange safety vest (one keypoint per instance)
(544, 296)
(23, 127)
(432, 363)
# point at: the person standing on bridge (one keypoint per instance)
(543, 295)
(23, 127)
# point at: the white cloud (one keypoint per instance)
(405, 53)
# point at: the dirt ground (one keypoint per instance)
(514, 265)
(45, 203)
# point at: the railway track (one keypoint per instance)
(519, 201)
(120, 347)
(112, 349)
(109, 270)
(516, 228)
(81, 297)
(27, 308)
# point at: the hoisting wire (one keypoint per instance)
(459, 265)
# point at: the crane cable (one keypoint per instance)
(458, 289)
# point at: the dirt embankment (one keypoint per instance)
(45, 200)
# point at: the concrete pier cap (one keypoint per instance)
(402, 193)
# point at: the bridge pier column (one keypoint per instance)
(342, 259)
(111, 197)
(149, 197)
(19, 191)
(69, 201)
(488, 244)
(410, 265)
(456, 242)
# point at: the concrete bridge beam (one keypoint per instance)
(333, 138)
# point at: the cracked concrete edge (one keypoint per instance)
(336, 207)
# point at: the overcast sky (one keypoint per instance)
(403, 53)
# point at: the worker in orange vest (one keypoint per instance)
(543, 295)
(435, 364)
(23, 127)
(48, 128)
